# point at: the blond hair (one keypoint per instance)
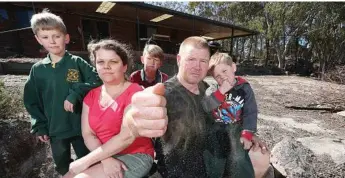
(219, 58)
(47, 21)
(195, 41)
(154, 51)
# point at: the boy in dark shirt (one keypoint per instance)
(234, 109)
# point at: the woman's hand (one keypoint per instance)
(78, 166)
(113, 168)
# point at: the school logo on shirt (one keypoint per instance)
(72, 75)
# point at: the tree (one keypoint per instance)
(282, 26)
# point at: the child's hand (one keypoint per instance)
(246, 143)
(43, 138)
(225, 87)
(68, 106)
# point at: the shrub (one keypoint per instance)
(10, 103)
(337, 75)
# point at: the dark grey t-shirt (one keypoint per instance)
(182, 157)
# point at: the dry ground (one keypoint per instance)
(275, 121)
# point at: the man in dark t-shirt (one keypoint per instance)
(181, 150)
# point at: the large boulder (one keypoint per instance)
(22, 155)
(331, 147)
(309, 157)
(291, 159)
(341, 113)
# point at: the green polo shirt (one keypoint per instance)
(49, 85)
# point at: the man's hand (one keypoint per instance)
(260, 161)
(147, 116)
(258, 144)
(68, 106)
(43, 138)
(246, 143)
(113, 168)
(226, 86)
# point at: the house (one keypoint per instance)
(131, 22)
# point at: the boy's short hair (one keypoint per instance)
(47, 21)
(154, 51)
(219, 58)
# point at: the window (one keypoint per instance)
(146, 31)
(151, 31)
(3, 15)
(4, 22)
(94, 29)
(23, 18)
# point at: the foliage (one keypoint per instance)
(173, 5)
(283, 26)
(336, 75)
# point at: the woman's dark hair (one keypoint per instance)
(121, 49)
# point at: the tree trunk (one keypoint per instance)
(242, 50)
(281, 61)
(262, 55)
(296, 53)
(323, 69)
(255, 45)
(250, 48)
(267, 51)
(236, 46)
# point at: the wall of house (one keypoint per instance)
(73, 26)
(124, 31)
(23, 41)
(20, 40)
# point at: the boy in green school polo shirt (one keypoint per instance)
(55, 90)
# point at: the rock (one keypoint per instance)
(309, 157)
(292, 159)
(21, 154)
(334, 148)
(341, 113)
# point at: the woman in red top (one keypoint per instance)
(103, 109)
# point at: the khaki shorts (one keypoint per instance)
(138, 165)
